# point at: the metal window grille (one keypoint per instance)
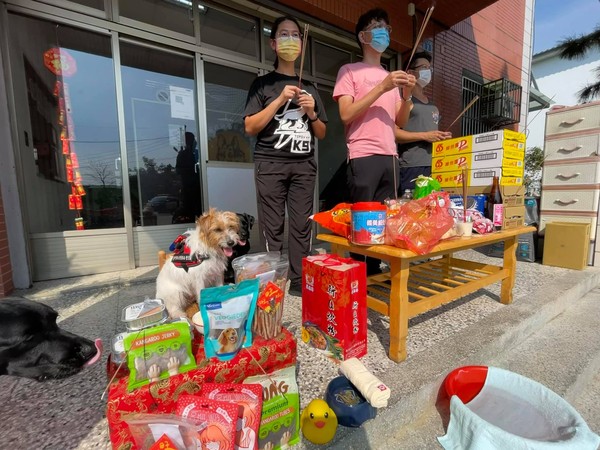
(471, 121)
(501, 103)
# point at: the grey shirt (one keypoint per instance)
(423, 117)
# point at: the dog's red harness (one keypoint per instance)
(182, 256)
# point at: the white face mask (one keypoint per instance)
(424, 77)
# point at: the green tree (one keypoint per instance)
(534, 160)
(576, 48)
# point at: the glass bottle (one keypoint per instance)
(494, 204)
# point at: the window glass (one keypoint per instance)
(228, 31)
(328, 60)
(159, 97)
(226, 93)
(70, 150)
(174, 15)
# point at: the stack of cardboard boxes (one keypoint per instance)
(498, 153)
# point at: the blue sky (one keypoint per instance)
(558, 19)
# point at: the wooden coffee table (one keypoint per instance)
(413, 290)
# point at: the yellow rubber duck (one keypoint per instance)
(318, 422)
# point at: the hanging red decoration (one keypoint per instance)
(79, 223)
(60, 62)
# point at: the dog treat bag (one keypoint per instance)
(249, 398)
(162, 431)
(158, 352)
(227, 313)
(280, 419)
(215, 421)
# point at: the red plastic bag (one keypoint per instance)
(420, 224)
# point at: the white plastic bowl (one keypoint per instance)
(198, 323)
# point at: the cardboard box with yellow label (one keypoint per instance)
(507, 139)
(480, 160)
(480, 177)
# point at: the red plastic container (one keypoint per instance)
(368, 223)
(465, 382)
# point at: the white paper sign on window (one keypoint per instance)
(182, 103)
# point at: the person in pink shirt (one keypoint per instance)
(372, 103)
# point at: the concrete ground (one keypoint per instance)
(548, 333)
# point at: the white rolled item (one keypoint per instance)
(371, 387)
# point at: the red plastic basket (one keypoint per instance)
(465, 382)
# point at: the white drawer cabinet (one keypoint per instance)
(571, 175)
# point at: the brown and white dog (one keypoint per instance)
(228, 340)
(199, 261)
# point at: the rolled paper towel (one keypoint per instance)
(371, 387)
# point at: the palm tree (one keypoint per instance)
(576, 48)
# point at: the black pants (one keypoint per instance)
(408, 175)
(372, 179)
(293, 184)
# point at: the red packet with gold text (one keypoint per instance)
(270, 298)
(164, 443)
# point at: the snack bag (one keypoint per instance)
(425, 186)
(280, 419)
(271, 269)
(156, 431)
(248, 397)
(338, 219)
(215, 421)
(227, 313)
(158, 352)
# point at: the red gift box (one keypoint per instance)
(334, 305)
(161, 397)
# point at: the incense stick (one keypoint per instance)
(304, 41)
(420, 34)
(464, 182)
(471, 103)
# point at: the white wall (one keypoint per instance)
(560, 80)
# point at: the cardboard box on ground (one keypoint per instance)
(566, 245)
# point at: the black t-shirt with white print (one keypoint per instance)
(288, 136)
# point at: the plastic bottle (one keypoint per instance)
(407, 195)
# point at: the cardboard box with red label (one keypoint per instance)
(480, 160)
(493, 140)
(334, 306)
(480, 177)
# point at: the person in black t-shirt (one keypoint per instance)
(416, 137)
(286, 118)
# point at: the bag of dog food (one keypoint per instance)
(158, 352)
(227, 313)
(249, 398)
(215, 421)
(280, 419)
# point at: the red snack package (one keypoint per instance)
(338, 219)
(164, 443)
(216, 421)
(248, 397)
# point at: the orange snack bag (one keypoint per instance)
(338, 219)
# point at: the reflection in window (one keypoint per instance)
(174, 15)
(226, 92)
(74, 139)
(328, 60)
(162, 152)
(228, 31)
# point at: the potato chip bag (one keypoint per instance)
(338, 219)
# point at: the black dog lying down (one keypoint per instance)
(33, 346)
(243, 245)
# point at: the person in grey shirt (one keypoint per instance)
(415, 138)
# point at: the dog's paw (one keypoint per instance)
(173, 365)
(154, 372)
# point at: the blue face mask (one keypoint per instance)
(380, 39)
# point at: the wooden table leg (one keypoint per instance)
(510, 265)
(398, 308)
(338, 249)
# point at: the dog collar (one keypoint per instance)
(183, 258)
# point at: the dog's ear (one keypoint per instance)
(222, 338)
(251, 220)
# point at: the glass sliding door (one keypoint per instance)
(159, 97)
